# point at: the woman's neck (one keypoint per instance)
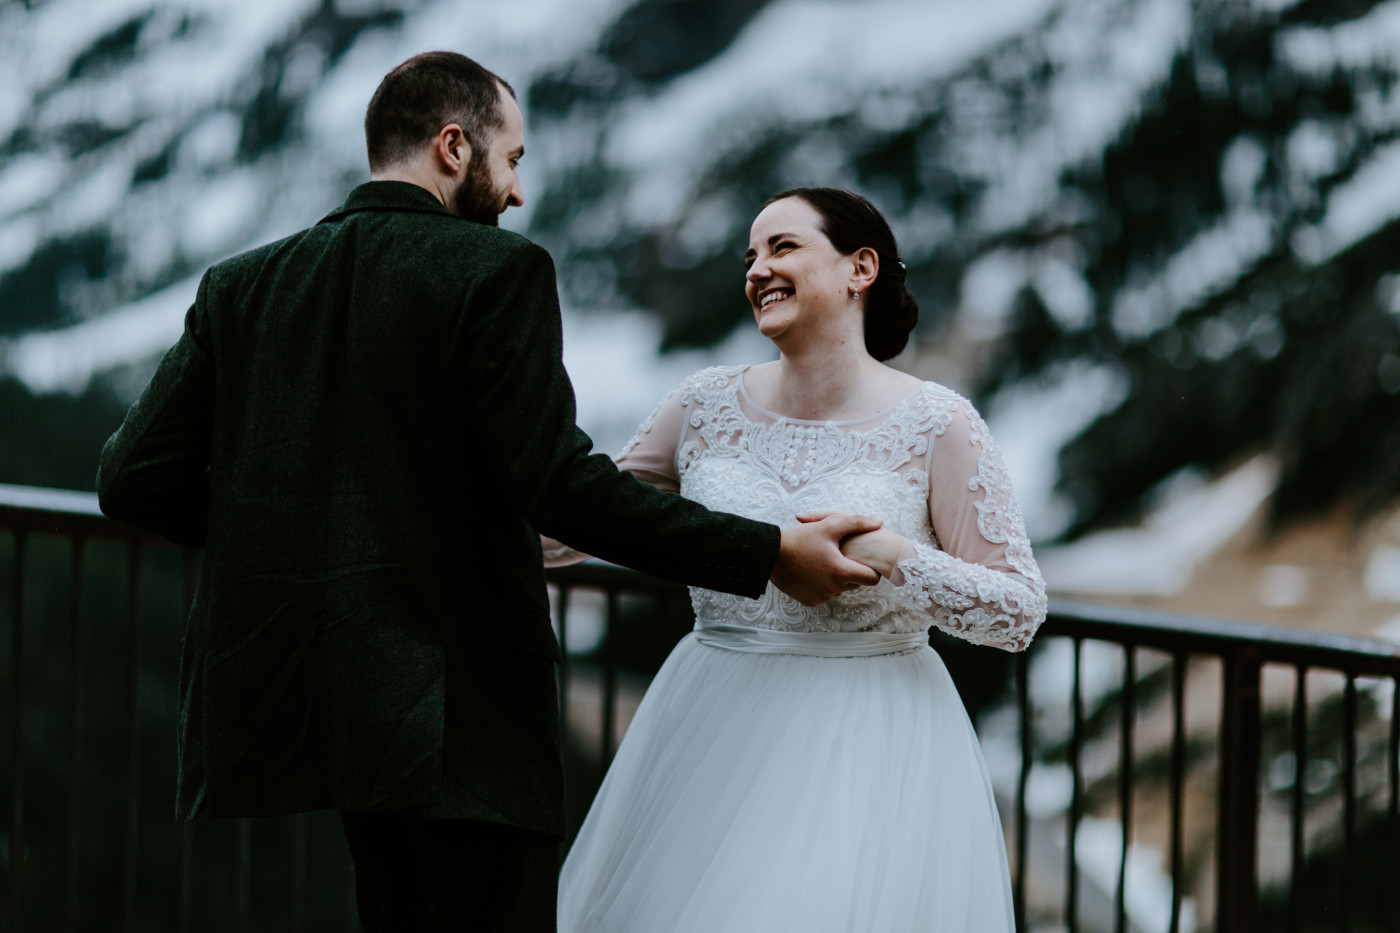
(832, 381)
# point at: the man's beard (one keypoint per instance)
(476, 200)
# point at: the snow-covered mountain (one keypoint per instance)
(1167, 229)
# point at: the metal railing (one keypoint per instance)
(95, 608)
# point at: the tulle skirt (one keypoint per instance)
(770, 792)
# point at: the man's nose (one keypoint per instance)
(517, 195)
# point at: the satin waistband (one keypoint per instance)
(812, 644)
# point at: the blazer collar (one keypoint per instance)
(388, 196)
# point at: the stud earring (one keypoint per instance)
(854, 294)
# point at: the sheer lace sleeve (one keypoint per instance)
(983, 584)
(650, 456)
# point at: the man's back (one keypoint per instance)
(341, 460)
(343, 438)
(366, 423)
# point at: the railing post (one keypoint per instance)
(1076, 801)
(17, 872)
(131, 841)
(608, 657)
(1023, 702)
(1344, 913)
(75, 726)
(1236, 894)
(191, 567)
(562, 617)
(1176, 786)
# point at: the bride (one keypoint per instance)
(813, 769)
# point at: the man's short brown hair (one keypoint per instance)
(426, 93)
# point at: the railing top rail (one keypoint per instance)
(603, 576)
(45, 499)
(1123, 625)
(1228, 638)
(63, 511)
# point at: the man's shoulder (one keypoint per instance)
(254, 258)
(436, 234)
(484, 241)
(403, 239)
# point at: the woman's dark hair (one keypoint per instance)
(851, 223)
(424, 94)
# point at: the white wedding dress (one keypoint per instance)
(805, 769)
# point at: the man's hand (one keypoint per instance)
(811, 568)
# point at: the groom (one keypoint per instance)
(367, 425)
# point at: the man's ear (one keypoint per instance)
(451, 151)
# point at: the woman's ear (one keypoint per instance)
(865, 267)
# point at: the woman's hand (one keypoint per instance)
(879, 550)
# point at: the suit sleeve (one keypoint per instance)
(650, 456)
(153, 472)
(524, 406)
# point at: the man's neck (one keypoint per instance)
(431, 182)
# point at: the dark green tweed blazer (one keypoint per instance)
(365, 425)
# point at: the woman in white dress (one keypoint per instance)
(813, 769)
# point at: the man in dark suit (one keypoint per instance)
(367, 425)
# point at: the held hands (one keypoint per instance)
(811, 567)
(878, 550)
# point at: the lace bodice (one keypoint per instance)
(927, 467)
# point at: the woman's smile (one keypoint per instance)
(772, 297)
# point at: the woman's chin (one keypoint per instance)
(773, 325)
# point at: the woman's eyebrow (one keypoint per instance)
(772, 241)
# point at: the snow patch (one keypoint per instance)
(668, 140)
(28, 179)
(1313, 150)
(1214, 260)
(1241, 168)
(224, 213)
(990, 285)
(1382, 578)
(618, 376)
(1159, 557)
(1361, 43)
(1065, 293)
(1284, 585)
(210, 143)
(1357, 207)
(1031, 421)
(1106, 58)
(66, 360)
(19, 238)
(1389, 630)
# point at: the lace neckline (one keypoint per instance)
(882, 413)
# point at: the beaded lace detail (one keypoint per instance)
(772, 468)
